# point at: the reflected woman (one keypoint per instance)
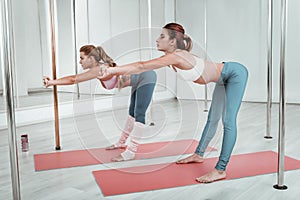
(142, 87)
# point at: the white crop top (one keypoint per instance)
(194, 73)
(209, 71)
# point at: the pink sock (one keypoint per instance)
(132, 147)
(127, 130)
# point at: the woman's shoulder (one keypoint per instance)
(183, 53)
(186, 57)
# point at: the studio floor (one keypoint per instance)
(174, 120)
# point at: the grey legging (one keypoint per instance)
(141, 94)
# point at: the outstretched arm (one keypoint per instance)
(67, 80)
(139, 67)
(72, 79)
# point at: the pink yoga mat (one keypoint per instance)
(100, 155)
(160, 176)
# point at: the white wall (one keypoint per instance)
(191, 16)
(45, 40)
(237, 31)
(1, 58)
(65, 54)
(27, 45)
(97, 22)
(234, 33)
(292, 52)
(103, 23)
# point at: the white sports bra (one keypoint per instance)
(208, 72)
(194, 73)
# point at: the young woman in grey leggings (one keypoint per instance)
(142, 87)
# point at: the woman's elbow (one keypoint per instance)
(73, 80)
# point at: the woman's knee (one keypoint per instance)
(229, 126)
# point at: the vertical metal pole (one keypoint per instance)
(88, 28)
(14, 82)
(269, 76)
(175, 12)
(150, 40)
(40, 32)
(8, 62)
(57, 139)
(140, 32)
(281, 139)
(110, 25)
(150, 27)
(75, 46)
(88, 21)
(205, 53)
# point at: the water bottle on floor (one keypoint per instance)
(24, 142)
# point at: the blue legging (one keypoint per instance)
(141, 94)
(226, 101)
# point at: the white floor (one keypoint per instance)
(173, 120)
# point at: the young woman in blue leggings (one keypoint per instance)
(142, 87)
(230, 79)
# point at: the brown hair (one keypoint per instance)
(98, 53)
(177, 31)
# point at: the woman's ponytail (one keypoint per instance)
(104, 57)
(188, 42)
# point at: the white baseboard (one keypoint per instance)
(38, 114)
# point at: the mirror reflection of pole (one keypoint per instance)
(8, 62)
(150, 27)
(75, 46)
(205, 53)
(149, 3)
(57, 139)
(269, 69)
(281, 138)
(140, 32)
(175, 13)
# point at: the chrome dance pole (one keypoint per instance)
(269, 69)
(205, 53)
(281, 139)
(175, 12)
(8, 62)
(75, 46)
(149, 3)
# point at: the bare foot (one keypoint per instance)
(115, 146)
(212, 176)
(195, 158)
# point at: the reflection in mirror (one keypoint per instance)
(33, 46)
(2, 102)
